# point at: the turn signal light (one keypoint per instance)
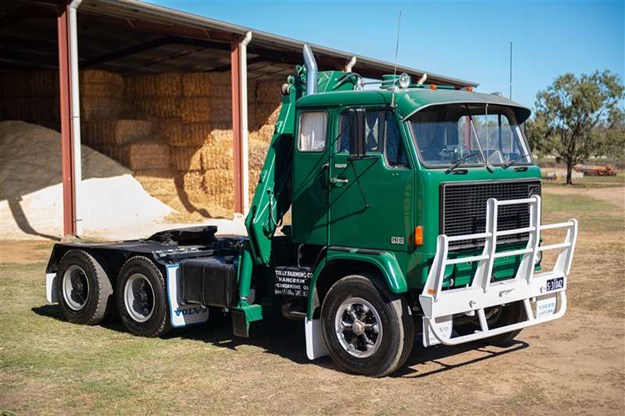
(418, 235)
(433, 87)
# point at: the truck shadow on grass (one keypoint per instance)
(287, 340)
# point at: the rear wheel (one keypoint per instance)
(366, 332)
(83, 288)
(141, 298)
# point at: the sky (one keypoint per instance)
(466, 40)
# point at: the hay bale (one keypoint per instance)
(29, 109)
(219, 181)
(108, 132)
(101, 77)
(265, 133)
(221, 92)
(217, 156)
(159, 183)
(154, 85)
(267, 114)
(253, 182)
(222, 135)
(158, 107)
(221, 113)
(92, 89)
(29, 84)
(98, 84)
(100, 108)
(180, 134)
(193, 182)
(185, 159)
(196, 84)
(257, 154)
(147, 155)
(220, 78)
(117, 153)
(207, 157)
(269, 91)
(195, 109)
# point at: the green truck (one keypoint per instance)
(416, 213)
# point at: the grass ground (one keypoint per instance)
(575, 365)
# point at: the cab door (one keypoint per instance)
(371, 198)
(310, 178)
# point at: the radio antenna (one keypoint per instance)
(396, 54)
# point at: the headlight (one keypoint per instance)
(404, 81)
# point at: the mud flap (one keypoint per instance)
(51, 294)
(315, 346)
(182, 315)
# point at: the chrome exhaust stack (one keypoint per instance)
(311, 70)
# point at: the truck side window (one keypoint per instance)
(381, 135)
(312, 131)
(374, 131)
(394, 147)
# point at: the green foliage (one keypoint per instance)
(577, 118)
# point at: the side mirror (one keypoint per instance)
(357, 132)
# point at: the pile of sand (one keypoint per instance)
(114, 205)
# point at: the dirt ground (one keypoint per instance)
(575, 365)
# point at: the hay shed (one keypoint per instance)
(160, 91)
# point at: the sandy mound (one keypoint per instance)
(114, 205)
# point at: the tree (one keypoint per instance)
(569, 113)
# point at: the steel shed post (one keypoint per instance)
(235, 72)
(67, 147)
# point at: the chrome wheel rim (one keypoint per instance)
(75, 287)
(358, 327)
(139, 297)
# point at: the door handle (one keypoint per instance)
(336, 181)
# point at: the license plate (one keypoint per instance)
(555, 284)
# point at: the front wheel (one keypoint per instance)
(366, 332)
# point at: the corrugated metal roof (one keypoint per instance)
(150, 38)
(137, 9)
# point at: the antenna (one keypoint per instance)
(396, 54)
(510, 70)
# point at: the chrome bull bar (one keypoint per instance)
(545, 290)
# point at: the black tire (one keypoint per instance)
(502, 316)
(141, 298)
(392, 343)
(83, 288)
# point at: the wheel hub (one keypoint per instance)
(75, 287)
(139, 297)
(358, 327)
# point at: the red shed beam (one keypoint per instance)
(235, 73)
(67, 149)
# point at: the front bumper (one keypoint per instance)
(543, 294)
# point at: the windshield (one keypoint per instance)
(468, 134)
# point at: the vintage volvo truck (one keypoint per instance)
(416, 211)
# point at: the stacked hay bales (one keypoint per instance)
(101, 95)
(173, 130)
(31, 96)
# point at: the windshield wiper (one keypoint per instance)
(514, 161)
(458, 162)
